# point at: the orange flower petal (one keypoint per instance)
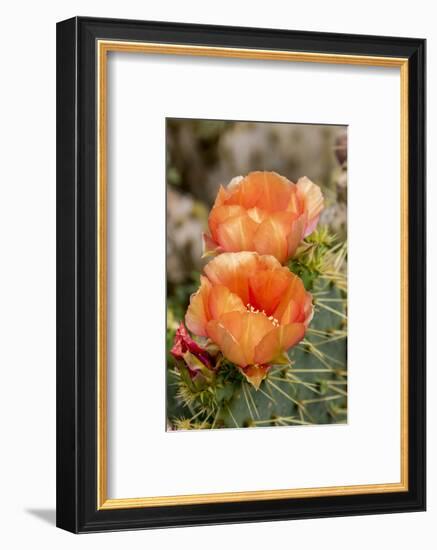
(271, 238)
(245, 193)
(278, 340)
(247, 329)
(233, 270)
(272, 191)
(258, 215)
(295, 291)
(254, 328)
(298, 312)
(313, 202)
(227, 343)
(221, 198)
(234, 183)
(295, 204)
(198, 313)
(267, 262)
(308, 309)
(296, 234)
(290, 314)
(233, 323)
(222, 300)
(219, 215)
(267, 287)
(292, 227)
(237, 233)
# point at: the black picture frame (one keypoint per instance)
(77, 478)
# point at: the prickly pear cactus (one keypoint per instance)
(311, 389)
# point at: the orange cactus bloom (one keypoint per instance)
(263, 212)
(252, 308)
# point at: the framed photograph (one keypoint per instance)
(240, 274)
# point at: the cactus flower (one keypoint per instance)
(263, 212)
(252, 308)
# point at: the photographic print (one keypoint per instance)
(256, 274)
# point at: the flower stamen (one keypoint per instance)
(273, 320)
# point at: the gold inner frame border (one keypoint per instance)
(103, 48)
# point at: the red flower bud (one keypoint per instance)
(187, 350)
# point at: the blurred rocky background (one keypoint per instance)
(202, 154)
